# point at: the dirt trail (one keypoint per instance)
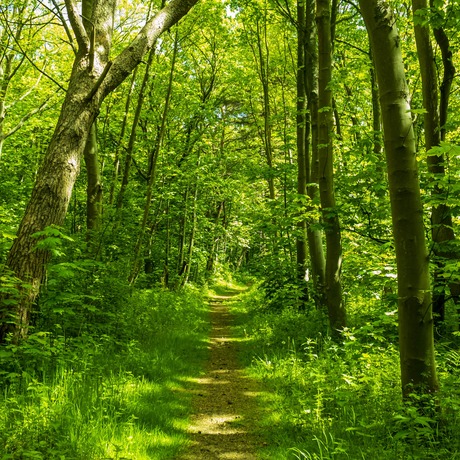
(225, 408)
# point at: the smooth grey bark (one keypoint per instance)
(418, 373)
(93, 77)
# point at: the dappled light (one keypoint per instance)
(229, 229)
(225, 405)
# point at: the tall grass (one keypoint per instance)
(342, 400)
(106, 396)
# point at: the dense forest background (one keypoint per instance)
(264, 143)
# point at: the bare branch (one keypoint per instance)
(21, 49)
(357, 48)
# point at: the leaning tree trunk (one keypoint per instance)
(418, 373)
(335, 306)
(93, 77)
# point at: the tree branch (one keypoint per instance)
(77, 27)
(132, 55)
(357, 48)
(25, 118)
(21, 49)
(59, 15)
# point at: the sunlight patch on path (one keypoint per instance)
(225, 399)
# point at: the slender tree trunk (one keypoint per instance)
(376, 112)
(418, 373)
(336, 308)
(264, 75)
(93, 77)
(165, 277)
(183, 232)
(152, 168)
(215, 239)
(188, 259)
(124, 123)
(441, 216)
(314, 234)
(302, 167)
(261, 54)
(132, 136)
(94, 184)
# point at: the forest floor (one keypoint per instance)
(224, 424)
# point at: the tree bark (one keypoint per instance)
(336, 308)
(94, 184)
(93, 77)
(418, 373)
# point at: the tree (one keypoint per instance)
(93, 77)
(442, 232)
(336, 308)
(418, 373)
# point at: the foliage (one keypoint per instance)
(85, 394)
(329, 400)
(98, 374)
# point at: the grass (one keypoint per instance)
(328, 400)
(109, 399)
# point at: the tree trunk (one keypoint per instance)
(418, 372)
(336, 308)
(188, 258)
(314, 234)
(132, 136)
(152, 168)
(93, 77)
(441, 216)
(302, 167)
(124, 123)
(94, 184)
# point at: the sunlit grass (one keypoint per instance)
(340, 400)
(123, 401)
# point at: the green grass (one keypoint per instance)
(106, 398)
(328, 400)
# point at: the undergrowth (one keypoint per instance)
(341, 400)
(103, 373)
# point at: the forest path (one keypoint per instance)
(224, 422)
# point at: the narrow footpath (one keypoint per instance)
(224, 423)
